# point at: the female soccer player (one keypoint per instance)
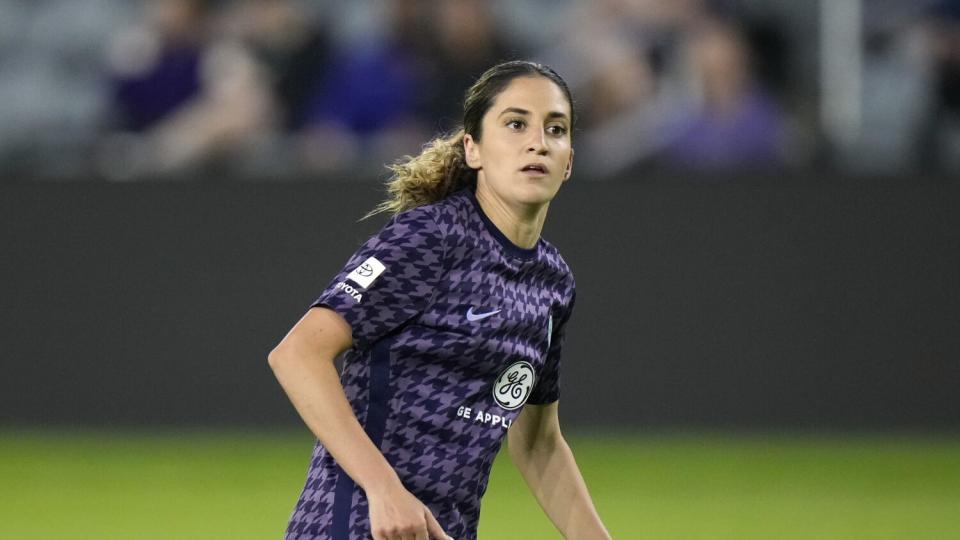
(452, 319)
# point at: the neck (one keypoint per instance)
(520, 223)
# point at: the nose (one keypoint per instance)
(538, 143)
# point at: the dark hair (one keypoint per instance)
(441, 167)
(484, 92)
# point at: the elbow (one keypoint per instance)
(285, 357)
(278, 357)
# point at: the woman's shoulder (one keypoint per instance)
(446, 216)
(552, 254)
(428, 217)
(441, 221)
(552, 257)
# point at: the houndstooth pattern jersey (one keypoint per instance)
(455, 329)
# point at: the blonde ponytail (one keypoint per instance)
(438, 171)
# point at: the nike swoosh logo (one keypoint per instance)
(471, 316)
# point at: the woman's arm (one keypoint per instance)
(546, 463)
(303, 363)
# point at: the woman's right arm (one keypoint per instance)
(303, 364)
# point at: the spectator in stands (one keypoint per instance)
(293, 47)
(156, 68)
(734, 123)
(625, 111)
(465, 41)
(182, 94)
(625, 56)
(369, 109)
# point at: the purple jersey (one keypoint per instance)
(455, 328)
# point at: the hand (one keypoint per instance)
(395, 514)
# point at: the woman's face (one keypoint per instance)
(524, 153)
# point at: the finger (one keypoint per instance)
(433, 527)
(390, 535)
(420, 533)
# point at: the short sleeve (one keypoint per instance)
(547, 387)
(390, 279)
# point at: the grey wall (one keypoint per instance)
(811, 304)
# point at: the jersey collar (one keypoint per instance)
(507, 245)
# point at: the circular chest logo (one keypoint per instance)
(514, 385)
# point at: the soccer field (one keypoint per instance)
(236, 485)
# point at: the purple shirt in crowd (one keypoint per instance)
(455, 328)
(748, 137)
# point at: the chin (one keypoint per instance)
(537, 193)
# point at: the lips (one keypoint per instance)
(535, 168)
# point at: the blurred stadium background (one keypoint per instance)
(763, 223)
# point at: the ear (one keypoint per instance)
(569, 171)
(471, 152)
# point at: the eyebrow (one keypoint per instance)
(518, 110)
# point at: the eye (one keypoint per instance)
(516, 124)
(557, 130)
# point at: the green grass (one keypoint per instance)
(68, 484)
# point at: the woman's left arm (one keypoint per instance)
(546, 463)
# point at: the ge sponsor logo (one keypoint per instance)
(483, 417)
(514, 385)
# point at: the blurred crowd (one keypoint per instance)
(276, 89)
